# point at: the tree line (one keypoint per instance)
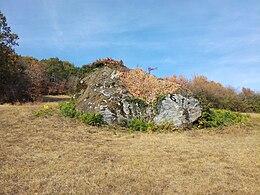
(214, 95)
(24, 78)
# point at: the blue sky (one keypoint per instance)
(216, 38)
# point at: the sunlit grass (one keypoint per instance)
(58, 155)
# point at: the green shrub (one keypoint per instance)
(141, 125)
(92, 118)
(68, 109)
(216, 118)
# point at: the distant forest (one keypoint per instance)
(24, 78)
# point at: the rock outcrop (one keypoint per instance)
(179, 109)
(117, 93)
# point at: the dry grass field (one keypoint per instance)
(57, 155)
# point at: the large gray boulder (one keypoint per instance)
(102, 91)
(180, 110)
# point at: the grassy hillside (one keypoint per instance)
(50, 155)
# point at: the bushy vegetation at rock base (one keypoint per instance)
(210, 118)
(68, 109)
(91, 118)
(218, 118)
(139, 124)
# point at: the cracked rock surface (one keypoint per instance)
(182, 111)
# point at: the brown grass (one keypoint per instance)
(56, 155)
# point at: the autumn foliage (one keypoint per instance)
(215, 95)
(146, 86)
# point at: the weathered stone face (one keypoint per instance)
(102, 91)
(180, 110)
